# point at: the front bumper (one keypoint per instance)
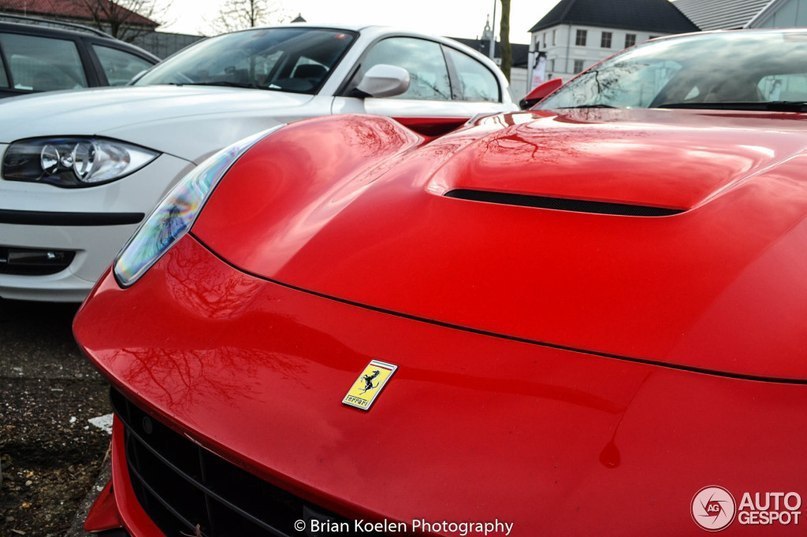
(471, 428)
(94, 223)
(116, 504)
(153, 467)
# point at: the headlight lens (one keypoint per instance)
(73, 162)
(175, 215)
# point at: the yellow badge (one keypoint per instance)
(369, 384)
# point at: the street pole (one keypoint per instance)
(493, 33)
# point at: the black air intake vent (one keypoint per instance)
(562, 204)
(187, 490)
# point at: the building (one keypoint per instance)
(737, 14)
(578, 33)
(104, 14)
(129, 25)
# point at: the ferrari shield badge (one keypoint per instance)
(369, 384)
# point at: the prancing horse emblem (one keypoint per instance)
(369, 384)
(368, 381)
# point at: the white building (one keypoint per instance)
(578, 33)
(736, 14)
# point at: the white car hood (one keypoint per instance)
(189, 122)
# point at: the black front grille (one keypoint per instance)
(189, 491)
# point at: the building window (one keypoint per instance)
(578, 66)
(580, 40)
(544, 41)
(552, 65)
(605, 40)
(554, 35)
(630, 40)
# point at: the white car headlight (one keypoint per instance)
(175, 215)
(72, 162)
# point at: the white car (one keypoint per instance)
(81, 170)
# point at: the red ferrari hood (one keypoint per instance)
(664, 160)
(469, 428)
(668, 236)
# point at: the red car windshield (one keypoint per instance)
(746, 70)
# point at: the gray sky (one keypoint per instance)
(458, 18)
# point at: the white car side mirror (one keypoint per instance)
(384, 81)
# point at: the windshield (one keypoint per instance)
(735, 70)
(297, 60)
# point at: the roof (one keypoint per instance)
(39, 22)
(71, 10)
(520, 52)
(722, 14)
(659, 16)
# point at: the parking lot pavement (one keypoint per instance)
(50, 454)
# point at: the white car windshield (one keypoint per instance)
(762, 70)
(297, 60)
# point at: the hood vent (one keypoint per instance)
(562, 204)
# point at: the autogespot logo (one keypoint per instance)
(713, 508)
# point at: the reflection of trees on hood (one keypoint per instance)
(370, 137)
(222, 349)
(181, 377)
(207, 293)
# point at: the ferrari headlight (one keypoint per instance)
(175, 215)
(73, 161)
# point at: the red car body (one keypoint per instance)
(594, 314)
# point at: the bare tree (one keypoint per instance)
(241, 14)
(123, 18)
(504, 35)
